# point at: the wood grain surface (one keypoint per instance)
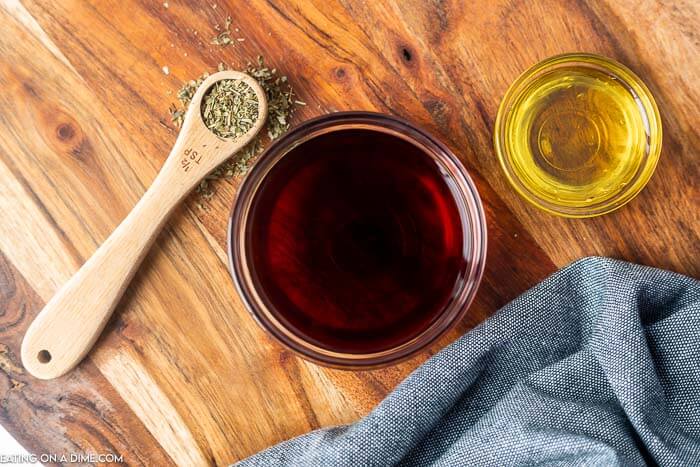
(182, 375)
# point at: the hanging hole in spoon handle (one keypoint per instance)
(71, 322)
(44, 356)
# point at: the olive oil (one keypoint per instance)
(579, 137)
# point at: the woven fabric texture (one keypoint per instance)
(597, 365)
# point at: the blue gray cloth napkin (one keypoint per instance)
(597, 365)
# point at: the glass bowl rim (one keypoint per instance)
(648, 109)
(475, 232)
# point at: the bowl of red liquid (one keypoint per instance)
(357, 240)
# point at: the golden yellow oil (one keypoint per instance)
(576, 136)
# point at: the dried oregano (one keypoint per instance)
(230, 108)
(281, 105)
(224, 37)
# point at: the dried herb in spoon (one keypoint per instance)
(281, 104)
(230, 108)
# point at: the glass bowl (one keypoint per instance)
(517, 151)
(473, 227)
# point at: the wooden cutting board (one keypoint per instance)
(182, 374)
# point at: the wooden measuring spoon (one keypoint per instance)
(70, 323)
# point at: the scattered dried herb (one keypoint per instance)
(224, 37)
(230, 108)
(281, 105)
(280, 97)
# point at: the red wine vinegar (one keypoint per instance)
(356, 240)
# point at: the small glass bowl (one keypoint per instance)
(473, 225)
(506, 125)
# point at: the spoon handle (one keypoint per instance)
(70, 323)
